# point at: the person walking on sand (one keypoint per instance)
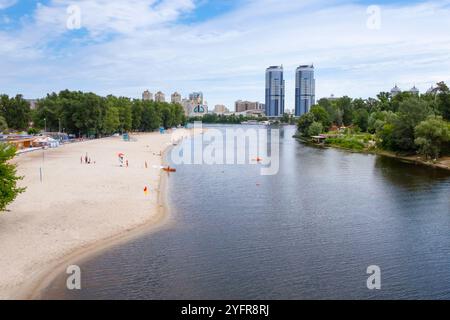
(86, 158)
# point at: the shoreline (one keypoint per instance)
(29, 277)
(407, 159)
(161, 220)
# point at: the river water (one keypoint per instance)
(309, 232)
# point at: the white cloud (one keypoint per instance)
(226, 56)
(7, 3)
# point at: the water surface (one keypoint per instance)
(309, 232)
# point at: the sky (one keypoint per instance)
(221, 47)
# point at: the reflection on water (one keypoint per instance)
(309, 232)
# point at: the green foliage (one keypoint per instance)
(443, 100)
(225, 119)
(305, 122)
(431, 136)
(16, 111)
(411, 112)
(32, 131)
(111, 120)
(378, 119)
(87, 114)
(3, 124)
(361, 119)
(344, 105)
(8, 179)
(346, 142)
(315, 129)
(321, 115)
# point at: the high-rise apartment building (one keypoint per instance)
(275, 89)
(305, 89)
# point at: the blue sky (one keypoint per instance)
(221, 47)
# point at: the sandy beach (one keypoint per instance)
(77, 205)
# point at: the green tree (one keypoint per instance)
(305, 122)
(8, 178)
(315, 129)
(378, 119)
(344, 104)
(321, 115)
(16, 111)
(3, 124)
(411, 112)
(443, 100)
(361, 119)
(111, 120)
(136, 112)
(431, 136)
(385, 135)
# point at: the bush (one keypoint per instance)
(8, 179)
(315, 129)
(346, 142)
(33, 131)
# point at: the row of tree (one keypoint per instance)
(224, 119)
(87, 114)
(405, 123)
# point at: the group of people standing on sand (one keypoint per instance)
(86, 159)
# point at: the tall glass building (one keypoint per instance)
(274, 91)
(305, 89)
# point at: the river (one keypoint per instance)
(309, 232)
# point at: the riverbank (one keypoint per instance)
(78, 208)
(441, 163)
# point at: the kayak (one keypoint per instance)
(170, 170)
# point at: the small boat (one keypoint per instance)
(169, 169)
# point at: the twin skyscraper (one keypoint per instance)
(305, 90)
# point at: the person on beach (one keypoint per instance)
(81, 159)
(127, 163)
(86, 158)
(146, 165)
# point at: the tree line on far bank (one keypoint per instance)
(406, 123)
(225, 119)
(87, 114)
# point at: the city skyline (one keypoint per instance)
(144, 46)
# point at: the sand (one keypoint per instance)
(77, 205)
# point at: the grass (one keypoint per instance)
(357, 142)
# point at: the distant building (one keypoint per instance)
(220, 109)
(147, 96)
(193, 109)
(275, 88)
(160, 97)
(196, 98)
(175, 97)
(414, 90)
(188, 107)
(332, 98)
(395, 91)
(305, 89)
(241, 106)
(33, 103)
